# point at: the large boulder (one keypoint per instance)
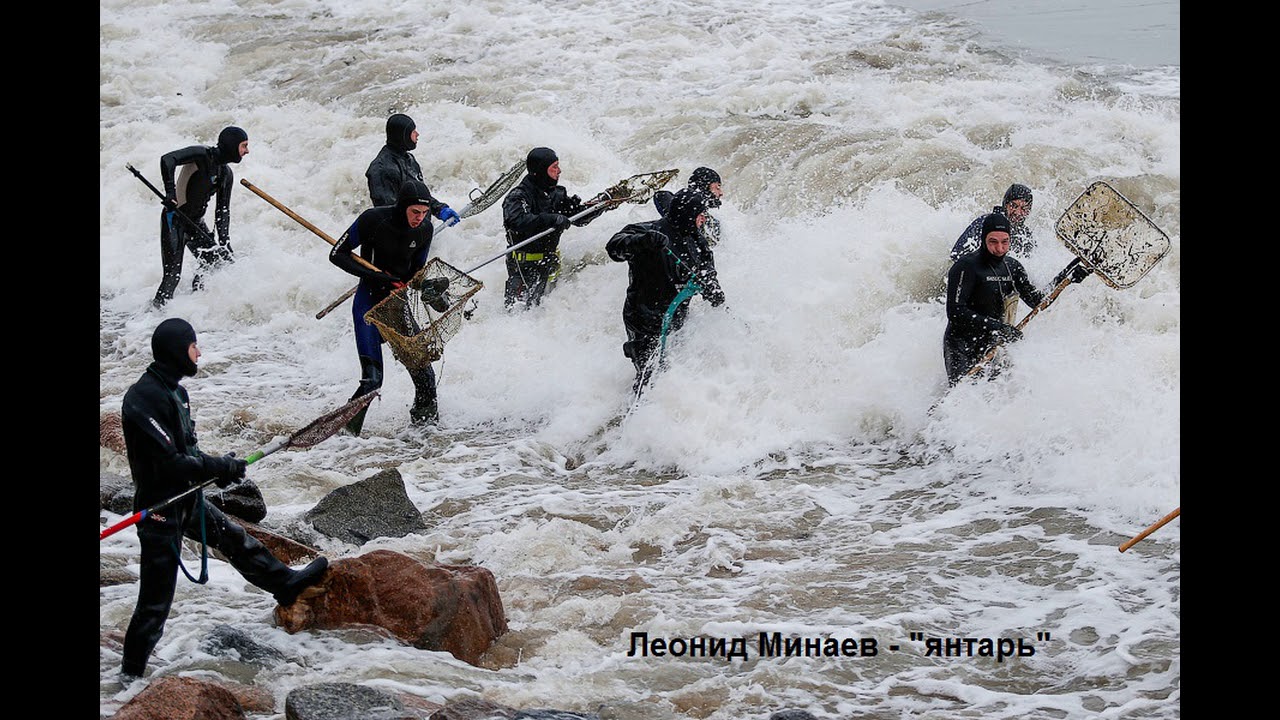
(454, 608)
(182, 698)
(375, 507)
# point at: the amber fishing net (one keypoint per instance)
(418, 319)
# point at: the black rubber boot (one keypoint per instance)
(370, 380)
(424, 410)
(301, 580)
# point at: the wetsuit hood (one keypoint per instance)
(412, 192)
(685, 208)
(701, 180)
(229, 143)
(169, 346)
(539, 159)
(993, 222)
(1016, 191)
(400, 129)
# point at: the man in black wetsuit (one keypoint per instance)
(1015, 206)
(395, 239)
(205, 173)
(537, 204)
(394, 164)
(662, 256)
(983, 288)
(165, 461)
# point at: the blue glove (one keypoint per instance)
(449, 216)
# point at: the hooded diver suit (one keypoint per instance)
(164, 460)
(205, 173)
(537, 204)
(388, 243)
(654, 277)
(980, 288)
(394, 164)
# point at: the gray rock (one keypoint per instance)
(375, 507)
(243, 500)
(115, 493)
(343, 701)
(232, 642)
(792, 715)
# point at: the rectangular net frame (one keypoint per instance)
(1111, 236)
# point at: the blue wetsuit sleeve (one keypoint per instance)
(343, 255)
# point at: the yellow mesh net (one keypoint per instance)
(419, 318)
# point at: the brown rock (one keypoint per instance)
(454, 608)
(252, 699)
(289, 551)
(419, 706)
(111, 432)
(180, 698)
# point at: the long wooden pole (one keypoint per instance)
(302, 221)
(1159, 524)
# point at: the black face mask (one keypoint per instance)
(170, 345)
(229, 144)
(400, 132)
(537, 163)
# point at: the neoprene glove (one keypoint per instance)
(655, 241)
(227, 470)
(385, 278)
(715, 296)
(449, 216)
(562, 222)
(1009, 333)
(1077, 274)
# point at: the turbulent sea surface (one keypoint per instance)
(800, 467)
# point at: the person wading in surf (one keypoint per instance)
(396, 239)
(205, 173)
(537, 204)
(662, 255)
(165, 461)
(1015, 206)
(983, 289)
(705, 181)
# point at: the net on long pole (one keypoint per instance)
(419, 318)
